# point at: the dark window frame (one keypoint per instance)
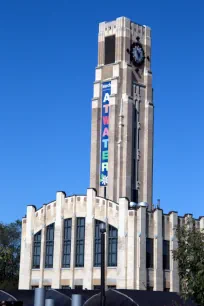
(97, 244)
(112, 243)
(80, 242)
(66, 256)
(36, 250)
(166, 255)
(109, 50)
(49, 246)
(149, 253)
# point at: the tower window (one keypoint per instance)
(110, 49)
(80, 237)
(67, 243)
(36, 250)
(166, 255)
(112, 246)
(49, 246)
(150, 253)
(97, 244)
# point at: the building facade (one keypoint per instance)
(60, 244)
(124, 60)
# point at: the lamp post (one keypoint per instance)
(103, 230)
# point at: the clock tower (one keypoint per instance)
(122, 113)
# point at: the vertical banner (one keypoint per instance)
(106, 91)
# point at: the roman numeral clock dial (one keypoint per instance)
(137, 54)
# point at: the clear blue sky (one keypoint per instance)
(48, 54)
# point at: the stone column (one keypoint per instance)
(22, 256)
(158, 250)
(131, 250)
(27, 250)
(73, 242)
(122, 245)
(58, 236)
(174, 277)
(126, 157)
(201, 223)
(42, 251)
(89, 240)
(141, 271)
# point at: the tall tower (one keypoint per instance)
(122, 113)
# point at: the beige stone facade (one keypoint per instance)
(134, 227)
(60, 246)
(130, 165)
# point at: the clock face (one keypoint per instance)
(137, 54)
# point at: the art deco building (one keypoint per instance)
(60, 244)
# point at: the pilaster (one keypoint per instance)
(131, 250)
(89, 236)
(158, 251)
(73, 242)
(174, 277)
(141, 274)
(58, 237)
(42, 249)
(201, 223)
(27, 250)
(122, 244)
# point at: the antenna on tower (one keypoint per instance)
(158, 203)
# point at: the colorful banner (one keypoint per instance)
(106, 91)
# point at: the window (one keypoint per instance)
(67, 243)
(66, 287)
(49, 246)
(149, 253)
(47, 287)
(135, 194)
(166, 255)
(97, 244)
(97, 287)
(34, 287)
(36, 250)
(112, 246)
(80, 235)
(166, 289)
(109, 49)
(78, 287)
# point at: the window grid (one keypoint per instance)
(97, 244)
(67, 243)
(150, 253)
(36, 250)
(80, 235)
(112, 246)
(166, 255)
(49, 246)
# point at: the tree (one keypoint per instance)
(190, 258)
(10, 238)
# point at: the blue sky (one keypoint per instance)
(48, 54)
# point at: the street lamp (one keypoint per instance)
(103, 230)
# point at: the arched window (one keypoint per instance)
(36, 250)
(112, 246)
(80, 237)
(67, 243)
(97, 244)
(49, 251)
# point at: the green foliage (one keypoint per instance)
(10, 235)
(190, 258)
